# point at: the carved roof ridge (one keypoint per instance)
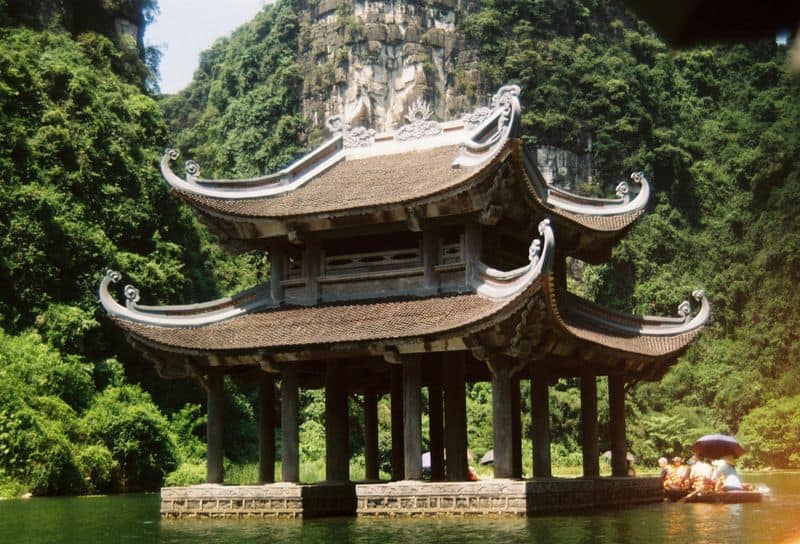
(579, 312)
(479, 134)
(185, 315)
(498, 284)
(567, 201)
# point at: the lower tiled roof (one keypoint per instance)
(593, 331)
(293, 327)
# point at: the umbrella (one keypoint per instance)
(628, 455)
(487, 458)
(716, 446)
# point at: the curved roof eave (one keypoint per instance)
(598, 214)
(650, 336)
(215, 328)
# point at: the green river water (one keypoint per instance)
(135, 518)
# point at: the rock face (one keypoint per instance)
(371, 60)
(564, 168)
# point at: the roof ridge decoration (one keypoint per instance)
(646, 325)
(584, 205)
(499, 284)
(501, 123)
(186, 315)
(419, 123)
(287, 179)
(352, 136)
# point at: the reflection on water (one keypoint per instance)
(135, 519)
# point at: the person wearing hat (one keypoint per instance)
(725, 476)
(701, 474)
(677, 475)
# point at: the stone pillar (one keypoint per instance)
(266, 429)
(215, 380)
(473, 246)
(436, 425)
(371, 435)
(337, 455)
(398, 457)
(540, 419)
(616, 410)
(455, 406)
(276, 272)
(516, 430)
(412, 418)
(430, 245)
(591, 454)
(290, 415)
(312, 264)
(501, 419)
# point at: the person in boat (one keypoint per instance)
(701, 476)
(725, 476)
(677, 476)
(662, 464)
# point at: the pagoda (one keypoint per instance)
(433, 256)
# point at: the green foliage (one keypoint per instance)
(185, 424)
(97, 467)
(772, 433)
(187, 473)
(36, 424)
(241, 114)
(126, 421)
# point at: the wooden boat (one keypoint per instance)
(675, 495)
(727, 497)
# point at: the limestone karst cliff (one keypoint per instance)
(370, 60)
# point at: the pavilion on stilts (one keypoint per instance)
(434, 256)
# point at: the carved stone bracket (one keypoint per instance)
(392, 356)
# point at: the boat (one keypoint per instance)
(727, 497)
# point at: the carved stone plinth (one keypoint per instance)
(408, 498)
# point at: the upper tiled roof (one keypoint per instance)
(354, 184)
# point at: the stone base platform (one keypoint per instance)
(408, 498)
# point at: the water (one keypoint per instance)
(135, 518)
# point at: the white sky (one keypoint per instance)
(186, 27)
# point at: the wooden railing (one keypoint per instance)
(294, 269)
(452, 253)
(372, 262)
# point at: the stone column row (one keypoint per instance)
(447, 409)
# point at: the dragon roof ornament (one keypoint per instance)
(188, 315)
(499, 284)
(352, 136)
(501, 123)
(647, 325)
(588, 206)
